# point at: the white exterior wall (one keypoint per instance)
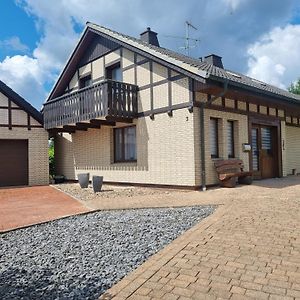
(165, 152)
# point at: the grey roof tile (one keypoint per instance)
(200, 65)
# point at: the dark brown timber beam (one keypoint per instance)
(72, 127)
(102, 122)
(59, 130)
(87, 125)
(119, 119)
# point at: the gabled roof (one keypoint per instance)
(185, 62)
(196, 68)
(195, 65)
(21, 102)
(122, 40)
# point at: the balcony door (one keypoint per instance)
(264, 144)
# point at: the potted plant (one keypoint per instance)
(59, 179)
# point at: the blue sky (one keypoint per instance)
(16, 23)
(260, 38)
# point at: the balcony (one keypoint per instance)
(108, 100)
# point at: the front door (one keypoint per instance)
(264, 151)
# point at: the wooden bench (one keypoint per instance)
(230, 171)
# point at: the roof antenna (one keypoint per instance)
(187, 38)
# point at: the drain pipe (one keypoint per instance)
(202, 132)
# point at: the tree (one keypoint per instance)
(295, 87)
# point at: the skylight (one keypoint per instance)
(233, 74)
(259, 82)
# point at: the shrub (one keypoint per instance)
(51, 159)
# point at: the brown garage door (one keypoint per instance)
(13, 162)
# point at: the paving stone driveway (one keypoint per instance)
(25, 206)
(248, 249)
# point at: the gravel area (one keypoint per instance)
(109, 191)
(80, 257)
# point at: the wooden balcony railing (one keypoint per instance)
(104, 99)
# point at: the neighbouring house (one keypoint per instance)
(23, 142)
(137, 113)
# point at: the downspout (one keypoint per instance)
(202, 132)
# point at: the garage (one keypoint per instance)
(23, 142)
(13, 162)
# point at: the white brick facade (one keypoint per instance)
(163, 156)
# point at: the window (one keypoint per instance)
(214, 147)
(254, 145)
(266, 139)
(230, 139)
(85, 81)
(125, 144)
(114, 72)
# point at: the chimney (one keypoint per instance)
(215, 60)
(149, 37)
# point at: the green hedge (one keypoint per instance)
(51, 159)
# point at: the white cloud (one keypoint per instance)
(20, 66)
(274, 58)
(25, 76)
(219, 31)
(233, 4)
(28, 74)
(14, 43)
(56, 24)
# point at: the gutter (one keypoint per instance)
(202, 132)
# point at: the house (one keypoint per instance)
(23, 142)
(137, 113)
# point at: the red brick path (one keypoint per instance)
(25, 206)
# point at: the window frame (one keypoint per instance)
(217, 155)
(109, 69)
(232, 142)
(84, 79)
(122, 160)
